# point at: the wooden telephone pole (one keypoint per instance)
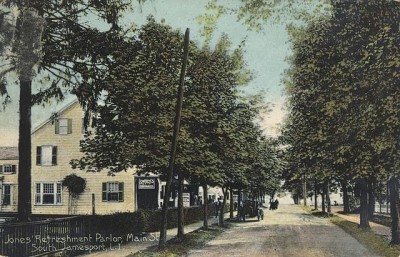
(164, 221)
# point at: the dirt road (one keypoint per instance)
(286, 232)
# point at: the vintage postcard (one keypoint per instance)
(199, 128)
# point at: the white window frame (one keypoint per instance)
(8, 168)
(113, 188)
(40, 193)
(43, 159)
(63, 126)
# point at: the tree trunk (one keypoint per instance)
(164, 215)
(305, 191)
(222, 207)
(315, 195)
(239, 203)
(323, 201)
(380, 199)
(205, 206)
(231, 204)
(328, 197)
(24, 150)
(272, 196)
(181, 219)
(394, 209)
(387, 197)
(346, 203)
(371, 198)
(296, 199)
(364, 223)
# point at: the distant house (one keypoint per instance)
(54, 144)
(8, 179)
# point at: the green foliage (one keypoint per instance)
(137, 119)
(75, 184)
(342, 123)
(28, 43)
(209, 19)
(354, 203)
(120, 224)
(257, 13)
(70, 53)
(78, 57)
(144, 221)
(218, 140)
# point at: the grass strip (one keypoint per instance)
(368, 238)
(193, 240)
(383, 220)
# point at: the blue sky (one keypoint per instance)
(265, 52)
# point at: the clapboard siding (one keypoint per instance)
(67, 149)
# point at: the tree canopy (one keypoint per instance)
(134, 126)
(342, 87)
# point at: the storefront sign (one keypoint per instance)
(147, 183)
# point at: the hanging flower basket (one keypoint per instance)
(75, 184)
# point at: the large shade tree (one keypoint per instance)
(342, 89)
(70, 55)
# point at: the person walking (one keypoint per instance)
(260, 213)
(217, 207)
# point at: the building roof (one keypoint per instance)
(63, 109)
(8, 153)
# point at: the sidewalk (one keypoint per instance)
(378, 229)
(136, 246)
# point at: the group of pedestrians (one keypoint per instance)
(242, 211)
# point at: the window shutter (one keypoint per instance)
(104, 195)
(121, 192)
(38, 155)
(14, 168)
(54, 156)
(7, 191)
(57, 127)
(69, 126)
(14, 194)
(1, 168)
(37, 194)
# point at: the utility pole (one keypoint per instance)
(163, 229)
